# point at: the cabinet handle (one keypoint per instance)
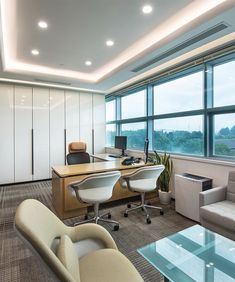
(32, 151)
(93, 141)
(65, 141)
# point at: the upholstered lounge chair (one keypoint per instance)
(217, 208)
(85, 253)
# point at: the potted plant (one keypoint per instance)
(164, 179)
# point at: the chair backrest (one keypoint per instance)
(41, 228)
(231, 186)
(77, 153)
(101, 185)
(149, 173)
(78, 158)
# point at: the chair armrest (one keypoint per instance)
(213, 195)
(92, 231)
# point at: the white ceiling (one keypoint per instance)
(78, 30)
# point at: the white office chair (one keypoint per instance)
(142, 180)
(95, 189)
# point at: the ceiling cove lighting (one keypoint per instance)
(42, 24)
(109, 43)
(35, 52)
(185, 17)
(147, 9)
(88, 63)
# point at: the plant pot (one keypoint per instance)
(164, 197)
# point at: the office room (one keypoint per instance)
(117, 147)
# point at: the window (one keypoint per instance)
(182, 135)
(171, 112)
(224, 84)
(110, 134)
(133, 105)
(136, 134)
(224, 135)
(181, 94)
(111, 110)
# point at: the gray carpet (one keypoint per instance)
(18, 263)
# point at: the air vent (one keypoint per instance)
(52, 82)
(187, 43)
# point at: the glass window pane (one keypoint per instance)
(224, 135)
(224, 84)
(136, 134)
(182, 94)
(134, 105)
(110, 134)
(182, 135)
(111, 110)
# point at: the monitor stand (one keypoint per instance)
(123, 154)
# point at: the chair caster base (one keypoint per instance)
(148, 220)
(116, 227)
(125, 214)
(161, 212)
(128, 206)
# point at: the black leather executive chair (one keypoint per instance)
(77, 153)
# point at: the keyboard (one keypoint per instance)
(114, 156)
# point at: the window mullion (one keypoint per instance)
(150, 114)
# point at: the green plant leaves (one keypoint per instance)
(164, 178)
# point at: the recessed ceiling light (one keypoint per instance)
(35, 52)
(147, 9)
(42, 24)
(109, 43)
(88, 63)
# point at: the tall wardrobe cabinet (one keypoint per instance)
(37, 124)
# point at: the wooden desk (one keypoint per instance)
(65, 203)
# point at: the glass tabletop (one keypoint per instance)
(193, 254)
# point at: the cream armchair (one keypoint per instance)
(84, 253)
(217, 208)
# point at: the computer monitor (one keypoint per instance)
(120, 143)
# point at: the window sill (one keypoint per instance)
(214, 161)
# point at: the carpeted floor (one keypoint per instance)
(18, 263)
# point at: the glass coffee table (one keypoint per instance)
(193, 254)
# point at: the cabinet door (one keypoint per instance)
(71, 117)
(23, 133)
(7, 133)
(57, 145)
(41, 133)
(99, 123)
(86, 120)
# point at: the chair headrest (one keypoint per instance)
(76, 147)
